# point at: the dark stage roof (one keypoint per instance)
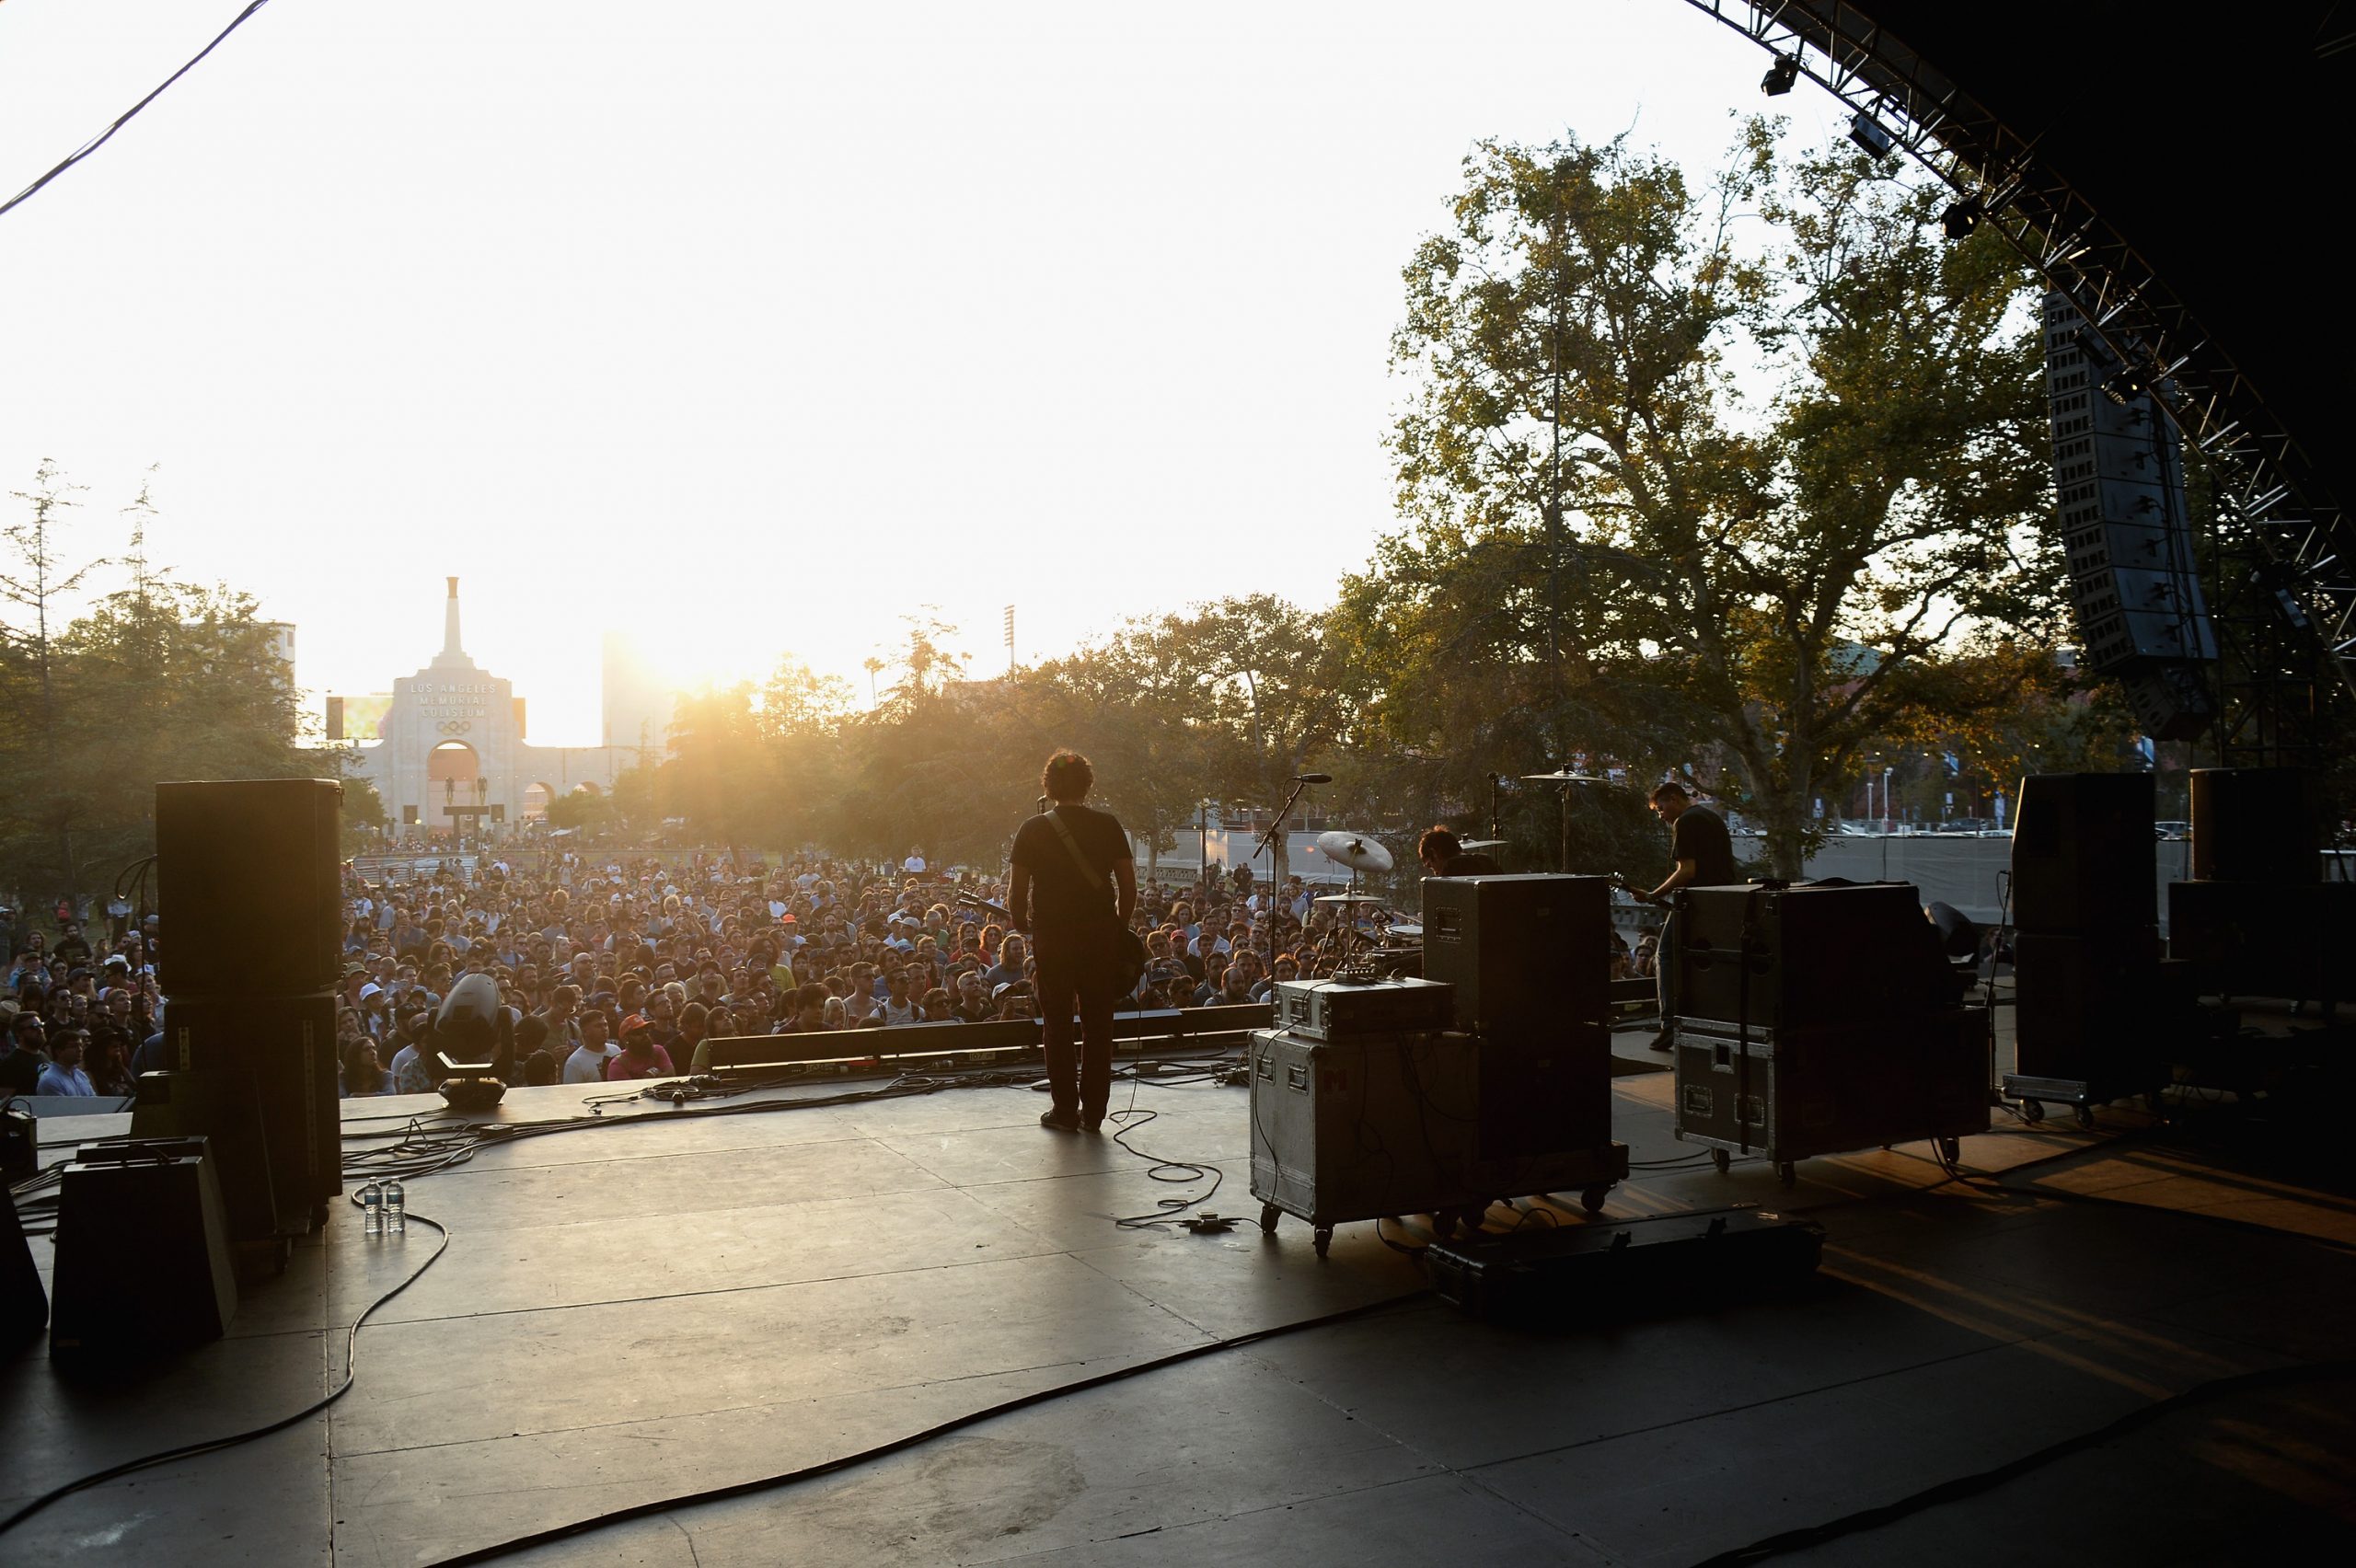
(2213, 143)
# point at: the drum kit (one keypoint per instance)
(1360, 939)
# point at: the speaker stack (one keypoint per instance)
(1529, 957)
(1816, 1018)
(250, 888)
(2087, 1020)
(2256, 918)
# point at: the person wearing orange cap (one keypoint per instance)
(640, 1056)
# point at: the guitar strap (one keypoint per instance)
(1089, 874)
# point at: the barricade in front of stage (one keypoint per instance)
(917, 1047)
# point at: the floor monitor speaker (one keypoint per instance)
(142, 1252)
(24, 1306)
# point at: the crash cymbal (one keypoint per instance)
(1346, 898)
(1355, 851)
(1480, 846)
(1562, 778)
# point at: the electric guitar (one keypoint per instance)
(1641, 894)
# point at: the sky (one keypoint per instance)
(753, 328)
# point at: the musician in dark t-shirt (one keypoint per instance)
(1073, 916)
(1443, 855)
(1702, 855)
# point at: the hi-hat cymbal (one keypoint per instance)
(1563, 777)
(1355, 851)
(1348, 898)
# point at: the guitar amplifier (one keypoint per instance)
(1347, 1010)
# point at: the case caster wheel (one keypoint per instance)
(2086, 1118)
(1950, 1150)
(1787, 1173)
(1443, 1224)
(1268, 1213)
(2032, 1112)
(1722, 1160)
(1325, 1239)
(1591, 1199)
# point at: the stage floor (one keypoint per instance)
(672, 1302)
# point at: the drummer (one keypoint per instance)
(1443, 855)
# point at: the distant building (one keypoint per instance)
(449, 753)
(638, 708)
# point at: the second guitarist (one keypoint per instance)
(1701, 854)
(1060, 893)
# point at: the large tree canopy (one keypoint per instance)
(1710, 478)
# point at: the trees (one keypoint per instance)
(1625, 546)
(154, 680)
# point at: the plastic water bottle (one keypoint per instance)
(372, 1210)
(396, 1216)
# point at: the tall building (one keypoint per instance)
(638, 706)
(451, 756)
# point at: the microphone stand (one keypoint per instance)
(1268, 842)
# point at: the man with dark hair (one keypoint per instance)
(1701, 854)
(1057, 891)
(1443, 855)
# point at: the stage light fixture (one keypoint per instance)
(1961, 219)
(1869, 133)
(1780, 76)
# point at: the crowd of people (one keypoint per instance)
(626, 968)
(76, 1006)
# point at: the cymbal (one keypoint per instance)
(1355, 851)
(1346, 898)
(1563, 777)
(1480, 846)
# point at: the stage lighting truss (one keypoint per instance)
(2266, 485)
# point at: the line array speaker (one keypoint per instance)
(2118, 475)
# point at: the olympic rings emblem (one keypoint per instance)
(456, 726)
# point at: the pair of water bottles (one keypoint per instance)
(382, 1208)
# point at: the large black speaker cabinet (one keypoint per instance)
(1528, 954)
(2087, 1008)
(248, 881)
(223, 1106)
(287, 1045)
(2253, 938)
(2084, 857)
(1807, 955)
(2258, 825)
(24, 1306)
(142, 1252)
(1546, 1096)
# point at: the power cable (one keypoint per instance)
(214, 1445)
(103, 137)
(914, 1439)
(1960, 1487)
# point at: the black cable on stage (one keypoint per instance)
(214, 1445)
(103, 137)
(1964, 1486)
(914, 1439)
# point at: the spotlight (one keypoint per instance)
(1962, 218)
(1868, 134)
(1780, 76)
(2124, 387)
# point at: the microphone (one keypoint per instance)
(1313, 779)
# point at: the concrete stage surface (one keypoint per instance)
(669, 1302)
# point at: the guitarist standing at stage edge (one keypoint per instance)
(1701, 855)
(1072, 888)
